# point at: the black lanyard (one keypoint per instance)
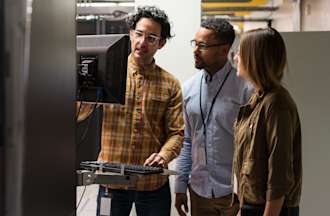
(213, 101)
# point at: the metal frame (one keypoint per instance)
(116, 12)
(87, 177)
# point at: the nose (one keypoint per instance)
(195, 49)
(143, 41)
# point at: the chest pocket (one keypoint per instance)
(245, 128)
(226, 115)
(156, 107)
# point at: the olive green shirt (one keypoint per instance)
(267, 159)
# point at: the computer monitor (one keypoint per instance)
(102, 68)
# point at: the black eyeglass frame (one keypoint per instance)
(203, 46)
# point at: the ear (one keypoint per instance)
(162, 42)
(225, 49)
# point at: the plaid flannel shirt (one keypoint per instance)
(151, 121)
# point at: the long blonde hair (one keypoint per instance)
(263, 55)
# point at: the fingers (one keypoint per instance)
(155, 160)
(181, 200)
(160, 161)
(179, 209)
(150, 159)
(181, 213)
(185, 205)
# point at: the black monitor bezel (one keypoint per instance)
(101, 46)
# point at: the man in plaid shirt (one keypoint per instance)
(148, 129)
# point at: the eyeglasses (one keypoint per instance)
(150, 38)
(204, 46)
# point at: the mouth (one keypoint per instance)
(199, 62)
(140, 51)
(197, 59)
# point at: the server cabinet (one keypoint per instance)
(2, 107)
(39, 133)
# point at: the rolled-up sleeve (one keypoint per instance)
(280, 134)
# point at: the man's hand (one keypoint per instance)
(84, 110)
(181, 200)
(155, 160)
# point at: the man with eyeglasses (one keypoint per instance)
(212, 99)
(148, 129)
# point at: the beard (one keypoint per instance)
(199, 63)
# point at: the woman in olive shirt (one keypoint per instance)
(267, 160)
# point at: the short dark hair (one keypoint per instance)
(155, 14)
(224, 30)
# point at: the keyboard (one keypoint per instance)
(118, 167)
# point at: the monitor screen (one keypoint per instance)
(102, 68)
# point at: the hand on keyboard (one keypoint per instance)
(155, 160)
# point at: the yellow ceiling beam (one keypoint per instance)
(226, 12)
(252, 3)
(234, 4)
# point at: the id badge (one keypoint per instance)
(201, 155)
(105, 205)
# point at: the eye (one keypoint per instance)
(138, 34)
(202, 46)
(151, 39)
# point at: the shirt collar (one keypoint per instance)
(136, 69)
(219, 75)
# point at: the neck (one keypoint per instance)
(213, 70)
(143, 64)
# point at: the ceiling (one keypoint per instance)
(239, 10)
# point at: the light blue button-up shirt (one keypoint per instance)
(213, 178)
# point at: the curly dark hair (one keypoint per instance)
(224, 30)
(155, 14)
